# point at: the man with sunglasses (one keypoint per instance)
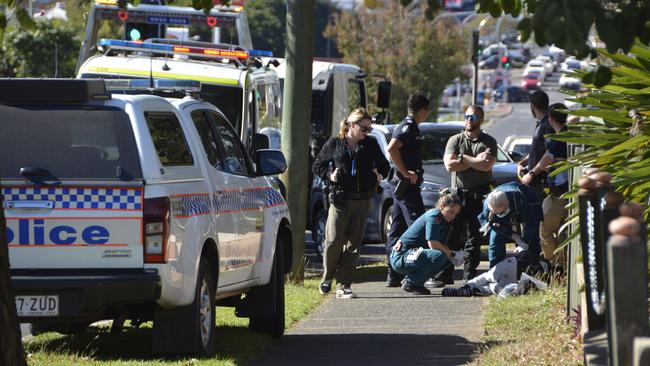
(469, 157)
(404, 151)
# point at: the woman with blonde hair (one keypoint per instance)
(352, 163)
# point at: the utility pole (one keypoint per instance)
(475, 47)
(296, 115)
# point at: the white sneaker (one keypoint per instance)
(345, 293)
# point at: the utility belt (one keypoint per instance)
(338, 196)
(360, 195)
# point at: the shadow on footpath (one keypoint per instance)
(369, 349)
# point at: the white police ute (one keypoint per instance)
(122, 205)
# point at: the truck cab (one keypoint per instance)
(231, 74)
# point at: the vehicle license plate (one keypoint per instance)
(43, 305)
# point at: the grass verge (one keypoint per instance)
(529, 330)
(235, 343)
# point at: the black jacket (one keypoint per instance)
(368, 157)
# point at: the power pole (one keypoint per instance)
(296, 115)
(11, 346)
(475, 48)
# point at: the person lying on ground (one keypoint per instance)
(511, 276)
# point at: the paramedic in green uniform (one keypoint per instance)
(421, 251)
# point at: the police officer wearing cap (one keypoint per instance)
(404, 151)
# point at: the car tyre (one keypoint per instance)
(273, 325)
(205, 310)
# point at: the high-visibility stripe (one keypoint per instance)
(157, 74)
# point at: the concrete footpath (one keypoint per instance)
(383, 326)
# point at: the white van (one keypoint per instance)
(138, 207)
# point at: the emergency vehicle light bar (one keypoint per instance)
(146, 84)
(216, 53)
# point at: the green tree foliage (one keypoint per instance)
(567, 24)
(267, 20)
(403, 45)
(51, 50)
(615, 130)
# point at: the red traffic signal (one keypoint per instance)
(123, 15)
(212, 21)
(504, 59)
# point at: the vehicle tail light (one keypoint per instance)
(156, 229)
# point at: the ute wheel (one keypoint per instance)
(204, 308)
(273, 325)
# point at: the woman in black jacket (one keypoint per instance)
(352, 164)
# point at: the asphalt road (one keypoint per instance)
(520, 121)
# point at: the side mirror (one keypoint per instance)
(383, 93)
(270, 162)
(515, 156)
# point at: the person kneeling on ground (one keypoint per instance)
(511, 276)
(507, 209)
(420, 252)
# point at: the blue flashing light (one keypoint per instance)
(145, 84)
(261, 53)
(132, 44)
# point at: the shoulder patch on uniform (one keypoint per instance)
(405, 128)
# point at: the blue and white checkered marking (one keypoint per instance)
(85, 198)
(225, 201)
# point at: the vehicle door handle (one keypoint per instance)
(30, 205)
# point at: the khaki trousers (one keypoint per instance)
(344, 230)
(554, 217)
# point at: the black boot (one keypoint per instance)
(442, 278)
(394, 279)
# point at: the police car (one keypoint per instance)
(138, 207)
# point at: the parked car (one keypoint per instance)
(517, 146)
(570, 82)
(532, 81)
(511, 94)
(572, 63)
(535, 66)
(491, 62)
(548, 63)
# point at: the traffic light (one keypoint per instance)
(142, 31)
(505, 62)
(476, 50)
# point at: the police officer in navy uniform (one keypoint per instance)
(525, 169)
(404, 151)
